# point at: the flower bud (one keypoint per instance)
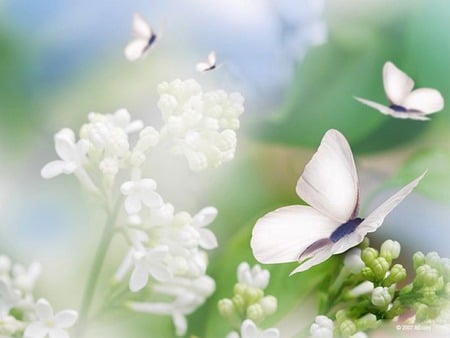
(390, 250)
(381, 297)
(269, 305)
(396, 274)
(226, 308)
(353, 260)
(359, 334)
(361, 289)
(240, 289)
(347, 328)
(447, 289)
(368, 255)
(322, 327)
(253, 295)
(379, 267)
(421, 312)
(433, 259)
(418, 259)
(239, 302)
(255, 312)
(368, 321)
(341, 315)
(368, 273)
(426, 275)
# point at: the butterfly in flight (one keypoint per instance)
(330, 225)
(207, 65)
(144, 38)
(406, 103)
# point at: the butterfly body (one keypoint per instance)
(398, 108)
(345, 229)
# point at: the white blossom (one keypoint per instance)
(138, 192)
(8, 298)
(381, 297)
(322, 327)
(254, 277)
(362, 289)
(148, 262)
(200, 221)
(249, 330)
(120, 119)
(200, 125)
(188, 295)
(50, 324)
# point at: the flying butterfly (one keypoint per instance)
(330, 225)
(209, 64)
(144, 38)
(406, 103)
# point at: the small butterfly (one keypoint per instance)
(406, 103)
(330, 225)
(144, 39)
(210, 63)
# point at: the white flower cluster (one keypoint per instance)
(200, 125)
(168, 250)
(249, 330)
(20, 315)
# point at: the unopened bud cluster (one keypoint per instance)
(248, 300)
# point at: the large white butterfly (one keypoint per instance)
(207, 65)
(330, 225)
(144, 38)
(406, 103)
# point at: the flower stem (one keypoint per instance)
(102, 249)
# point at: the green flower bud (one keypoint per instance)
(269, 305)
(239, 302)
(390, 250)
(429, 293)
(341, 316)
(397, 274)
(406, 289)
(433, 259)
(447, 289)
(365, 243)
(347, 328)
(379, 267)
(255, 312)
(381, 297)
(368, 273)
(368, 255)
(418, 259)
(226, 308)
(240, 289)
(421, 312)
(426, 275)
(253, 295)
(368, 321)
(439, 285)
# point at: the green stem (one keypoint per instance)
(89, 290)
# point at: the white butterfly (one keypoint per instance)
(330, 225)
(406, 103)
(144, 38)
(210, 63)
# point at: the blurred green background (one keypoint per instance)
(61, 60)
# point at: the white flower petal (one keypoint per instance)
(204, 217)
(65, 319)
(208, 240)
(271, 333)
(44, 310)
(58, 333)
(160, 272)
(248, 329)
(152, 199)
(52, 169)
(180, 322)
(132, 204)
(35, 330)
(139, 277)
(127, 187)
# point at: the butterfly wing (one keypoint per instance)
(282, 235)
(397, 85)
(425, 100)
(376, 218)
(135, 49)
(141, 28)
(380, 107)
(202, 66)
(212, 58)
(329, 182)
(413, 115)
